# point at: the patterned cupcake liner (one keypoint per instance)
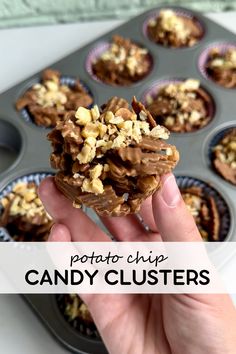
(64, 80)
(214, 141)
(187, 14)
(84, 328)
(33, 177)
(203, 58)
(4, 235)
(158, 85)
(96, 53)
(222, 207)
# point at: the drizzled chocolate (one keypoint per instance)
(123, 64)
(111, 159)
(173, 30)
(48, 101)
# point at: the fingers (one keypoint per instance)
(123, 228)
(173, 220)
(147, 214)
(59, 233)
(128, 228)
(80, 226)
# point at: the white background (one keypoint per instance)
(23, 52)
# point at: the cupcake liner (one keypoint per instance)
(4, 235)
(64, 80)
(222, 46)
(34, 177)
(88, 330)
(223, 209)
(93, 55)
(187, 14)
(158, 85)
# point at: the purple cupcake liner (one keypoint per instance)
(94, 55)
(222, 206)
(33, 177)
(203, 58)
(187, 14)
(158, 85)
(64, 80)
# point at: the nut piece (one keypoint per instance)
(87, 154)
(160, 132)
(92, 186)
(95, 112)
(90, 130)
(83, 116)
(96, 171)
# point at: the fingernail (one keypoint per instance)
(170, 192)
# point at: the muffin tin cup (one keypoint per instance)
(203, 58)
(179, 12)
(87, 330)
(222, 207)
(167, 63)
(47, 308)
(155, 88)
(65, 80)
(11, 145)
(96, 52)
(217, 137)
(31, 177)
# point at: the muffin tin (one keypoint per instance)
(24, 148)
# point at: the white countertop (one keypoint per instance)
(23, 52)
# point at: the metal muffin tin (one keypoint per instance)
(24, 148)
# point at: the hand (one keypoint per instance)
(150, 324)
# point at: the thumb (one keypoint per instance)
(173, 220)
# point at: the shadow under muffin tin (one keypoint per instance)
(24, 148)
